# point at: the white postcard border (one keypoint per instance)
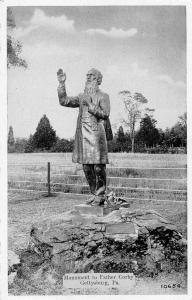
(3, 135)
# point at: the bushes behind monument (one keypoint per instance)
(146, 141)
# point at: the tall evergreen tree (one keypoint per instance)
(120, 135)
(45, 136)
(148, 134)
(11, 139)
(121, 139)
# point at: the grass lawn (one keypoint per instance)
(146, 176)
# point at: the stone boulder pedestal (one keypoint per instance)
(102, 240)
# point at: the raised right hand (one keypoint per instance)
(61, 76)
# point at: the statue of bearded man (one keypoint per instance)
(90, 147)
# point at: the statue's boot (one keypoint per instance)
(98, 201)
(90, 200)
(91, 179)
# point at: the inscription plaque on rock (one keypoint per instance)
(83, 282)
(126, 228)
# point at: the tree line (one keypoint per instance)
(43, 140)
(148, 138)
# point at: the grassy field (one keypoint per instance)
(147, 176)
(150, 182)
(115, 159)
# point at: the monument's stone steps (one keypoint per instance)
(142, 193)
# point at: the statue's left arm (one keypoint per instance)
(102, 110)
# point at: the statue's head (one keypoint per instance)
(94, 75)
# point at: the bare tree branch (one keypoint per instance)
(133, 108)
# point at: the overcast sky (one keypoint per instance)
(140, 49)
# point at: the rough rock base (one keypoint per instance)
(143, 243)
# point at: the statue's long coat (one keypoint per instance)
(90, 145)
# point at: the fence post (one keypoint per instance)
(48, 179)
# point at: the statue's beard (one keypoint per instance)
(91, 87)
